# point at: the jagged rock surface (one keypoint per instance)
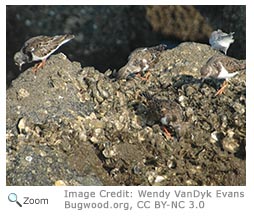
(78, 126)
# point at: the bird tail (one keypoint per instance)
(231, 34)
(69, 36)
(242, 65)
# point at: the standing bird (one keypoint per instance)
(221, 41)
(39, 49)
(139, 61)
(222, 67)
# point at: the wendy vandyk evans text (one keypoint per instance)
(123, 199)
(190, 194)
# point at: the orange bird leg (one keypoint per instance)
(145, 78)
(39, 65)
(167, 133)
(223, 86)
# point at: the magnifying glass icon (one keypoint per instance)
(13, 198)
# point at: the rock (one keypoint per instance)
(77, 126)
(178, 21)
(60, 183)
(105, 44)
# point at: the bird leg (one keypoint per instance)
(39, 65)
(223, 86)
(167, 133)
(145, 78)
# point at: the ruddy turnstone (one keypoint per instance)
(169, 113)
(222, 67)
(221, 41)
(140, 61)
(39, 49)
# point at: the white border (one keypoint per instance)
(216, 207)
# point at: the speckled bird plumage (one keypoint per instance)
(140, 60)
(168, 112)
(40, 48)
(220, 40)
(222, 67)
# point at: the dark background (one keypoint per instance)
(105, 35)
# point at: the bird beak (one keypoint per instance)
(201, 83)
(20, 66)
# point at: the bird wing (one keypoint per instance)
(34, 43)
(226, 37)
(43, 45)
(233, 64)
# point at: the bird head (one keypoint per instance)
(20, 59)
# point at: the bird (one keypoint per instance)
(220, 40)
(139, 61)
(168, 112)
(39, 48)
(223, 68)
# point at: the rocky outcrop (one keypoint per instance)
(73, 125)
(183, 23)
(105, 35)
